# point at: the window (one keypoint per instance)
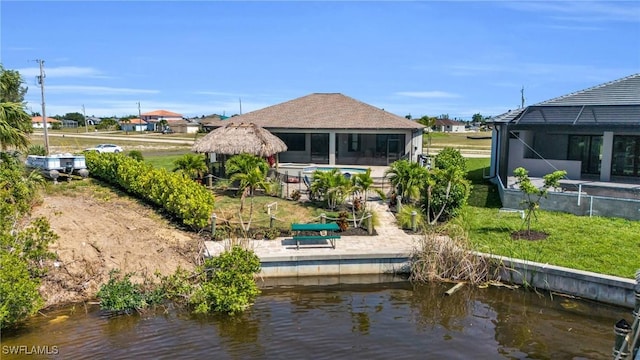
(626, 156)
(354, 142)
(587, 149)
(294, 141)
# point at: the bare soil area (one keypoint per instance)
(100, 230)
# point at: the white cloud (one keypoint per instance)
(63, 72)
(581, 11)
(428, 94)
(97, 90)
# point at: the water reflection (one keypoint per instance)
(374, 321)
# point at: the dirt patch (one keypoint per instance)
(531, 235)
(100, 231)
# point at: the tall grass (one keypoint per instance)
(447, 255)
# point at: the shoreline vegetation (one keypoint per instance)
(600, 245)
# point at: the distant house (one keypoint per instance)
(334, 129)
(446, 125)
(183, 126)
(592, 134)
(152, 119)
(69, 123)
(92, 120)
(36, 122)
(211, 122)
(133, 125)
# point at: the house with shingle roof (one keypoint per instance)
(152, 118)
(448, 125)
(36, 122)
(334, 129)
(593, 134)
(133, 125)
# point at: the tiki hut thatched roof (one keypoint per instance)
(233, 139)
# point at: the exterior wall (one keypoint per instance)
(157, 118)
(184, 128)
(38, 125)
(338, 146)
(539, 167)
(580, 204)
(133, 127)
(296, 156)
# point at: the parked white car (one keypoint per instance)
(105, 148)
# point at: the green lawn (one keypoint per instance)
(164, 159)
(458, 141)
(602, 245)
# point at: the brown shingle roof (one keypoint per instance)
(446, 122)
(38, 119)
(137, 121)
(325, 111)
(161, 113)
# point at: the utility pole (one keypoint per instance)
(139, 114)
(240, 99)
(522, 97)
(84, 114)
(44, 114)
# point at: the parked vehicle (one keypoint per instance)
(105, 148)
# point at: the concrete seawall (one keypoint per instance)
(582, 284)
(335, 265)
(390, 252)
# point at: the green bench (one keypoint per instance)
(328, 229)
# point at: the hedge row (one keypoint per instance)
(177, 194)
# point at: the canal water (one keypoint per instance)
(388, 320)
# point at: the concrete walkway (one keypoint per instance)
(390, 240)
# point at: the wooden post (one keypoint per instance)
(399, 206)
(413, 220)
(214, 218)
(454, 289)
(272, 221)
(370, 224)
(323, 218)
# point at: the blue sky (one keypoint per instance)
(407, 57)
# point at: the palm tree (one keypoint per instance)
(15, 125)
(163, 124)
(251, 173)
(193, 165)
(429, 122)
(407, 178)
(126, 121)
(364, 182)
(331, 186)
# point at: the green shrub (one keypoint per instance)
(19, 296)
(452, 201)
(271, 233)
(174, 192)
(119, 294)
(226, 282)
(404, 217)
(23, 250)
(36, 150)
(450, 157)
(136, 154)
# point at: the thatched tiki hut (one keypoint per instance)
(233, 139)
